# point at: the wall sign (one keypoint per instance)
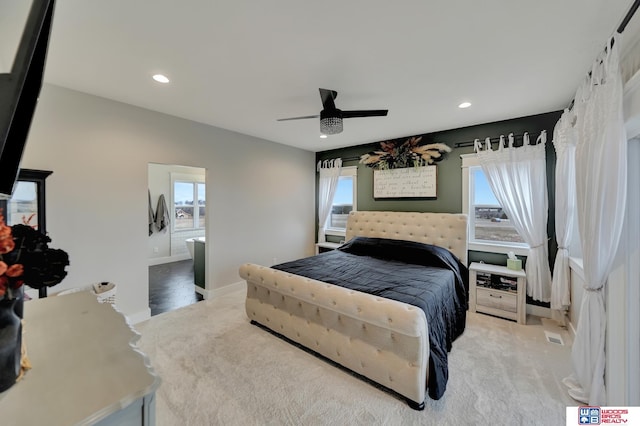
(409, 182)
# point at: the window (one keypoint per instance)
(344, 201)
(490, 229)
(22, 208)
(188, 202)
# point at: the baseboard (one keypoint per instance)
(140, 316)
(572, 330)
(168, 259)
(221, 291)
(539, 311)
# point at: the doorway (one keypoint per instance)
(177, 224)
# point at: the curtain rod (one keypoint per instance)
(351, 158)
(532, 136)
(625, 21)
(628, 16)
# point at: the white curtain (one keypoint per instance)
(601, 179)
(564, 142)
(518, 179)
(329, 176)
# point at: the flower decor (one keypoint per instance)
(396, 155)
(25, 257)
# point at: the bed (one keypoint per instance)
(387, 341)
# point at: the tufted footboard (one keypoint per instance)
(381, 339)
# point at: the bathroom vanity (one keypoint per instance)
(199, 262)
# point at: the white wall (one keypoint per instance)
(576, 289)
(260, 194)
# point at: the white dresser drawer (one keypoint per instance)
(497, 299)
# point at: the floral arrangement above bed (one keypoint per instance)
(396, 155)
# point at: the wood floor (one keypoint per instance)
(171, 286)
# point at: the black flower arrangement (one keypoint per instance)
(25, 258)
(396, 155)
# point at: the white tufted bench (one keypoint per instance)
(382, 339)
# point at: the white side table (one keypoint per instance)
(322, 247)
(499, 291)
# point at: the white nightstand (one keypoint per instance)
(322, 247)
(498, 291)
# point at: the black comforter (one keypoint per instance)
(422, 275)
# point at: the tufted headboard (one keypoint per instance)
(446, 230)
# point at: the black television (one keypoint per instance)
(20, 85)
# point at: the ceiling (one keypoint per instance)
(241, 64)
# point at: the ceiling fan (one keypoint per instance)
(331, 117)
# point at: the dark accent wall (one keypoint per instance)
(449, 175)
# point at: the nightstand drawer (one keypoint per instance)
(497, 299)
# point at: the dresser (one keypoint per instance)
(86, 367)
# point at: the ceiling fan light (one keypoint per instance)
(330, 125)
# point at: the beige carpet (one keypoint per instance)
(217, 368)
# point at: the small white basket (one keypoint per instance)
(104, 291)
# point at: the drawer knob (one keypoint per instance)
(493, 295)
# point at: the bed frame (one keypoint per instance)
(381, 339)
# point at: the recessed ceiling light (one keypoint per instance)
(323, 136)
(161, 78)
(464, 105)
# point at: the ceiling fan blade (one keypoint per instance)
(297, 118)
(327, 97)
(365, 113)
